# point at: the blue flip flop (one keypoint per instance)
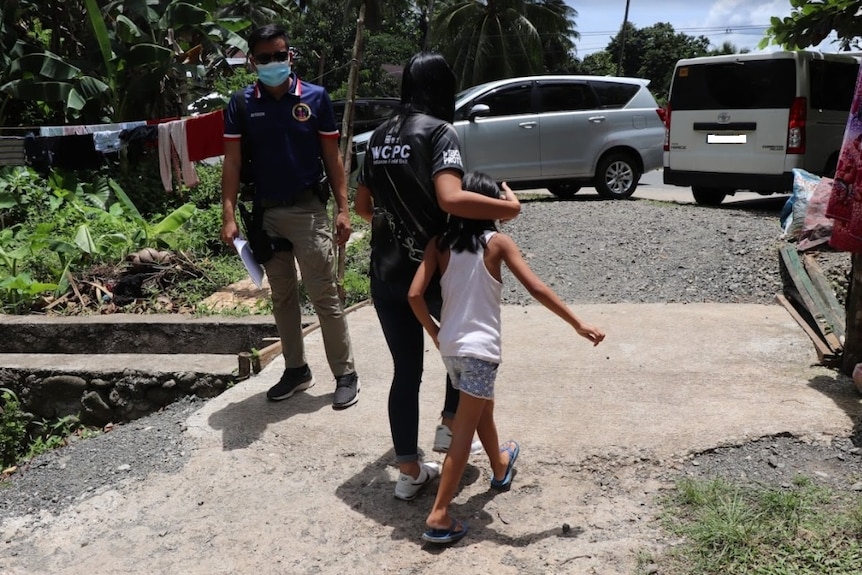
(446, 536)
(506, 482)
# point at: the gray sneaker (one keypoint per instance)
(294, 379)
(346, 391)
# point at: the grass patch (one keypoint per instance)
(726, 528)
(22, 438)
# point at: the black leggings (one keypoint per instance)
(405, 338)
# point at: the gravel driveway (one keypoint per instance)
(651, 252)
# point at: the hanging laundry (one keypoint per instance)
(76, 153)
(11, 151)
(51, 131)
(107, 141)
(174, 154)
(89, 128)
(205, 136)
(66, 152)
(136, 139)
(37, 153)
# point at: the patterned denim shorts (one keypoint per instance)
(471, 375)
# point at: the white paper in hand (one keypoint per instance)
(255, 270)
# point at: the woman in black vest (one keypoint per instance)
(410, 181)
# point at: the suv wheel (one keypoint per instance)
(617, 176)
(708, 196)
(564, 190)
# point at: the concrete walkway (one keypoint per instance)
(295, 487)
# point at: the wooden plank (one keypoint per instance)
(244, 359)
(265, 356)
(824, 354)
(810, 298)
(834, 311)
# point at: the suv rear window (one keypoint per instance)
(740, 85)
(567, 97)
(614, 94)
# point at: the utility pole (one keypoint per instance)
(347, 130)
(623, 41)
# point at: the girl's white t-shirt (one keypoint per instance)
(470, 318)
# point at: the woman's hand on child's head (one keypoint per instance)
(510, 196)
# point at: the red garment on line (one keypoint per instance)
(205, 136)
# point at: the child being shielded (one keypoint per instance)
(468, 256)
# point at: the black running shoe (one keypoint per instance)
(346, 391)
(294, 379)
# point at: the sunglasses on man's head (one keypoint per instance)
(271, 57)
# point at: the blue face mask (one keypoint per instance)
(273, 74)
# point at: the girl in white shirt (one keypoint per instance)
(469, 256)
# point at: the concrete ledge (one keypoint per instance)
(219, 365)
(134, 334)
(109, 388)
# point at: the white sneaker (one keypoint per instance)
(407, 488)
(443, 438)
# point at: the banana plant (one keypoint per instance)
(151, 235)
(160, 53)
(44, 76)
(113, 61)
(18, 289)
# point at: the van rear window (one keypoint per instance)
(740, 85)
(833, 84)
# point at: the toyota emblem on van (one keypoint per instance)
(724, 118)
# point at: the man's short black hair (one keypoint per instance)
(265, 33)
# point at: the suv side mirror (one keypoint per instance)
(477, 111)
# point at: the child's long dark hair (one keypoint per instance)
(465, 234)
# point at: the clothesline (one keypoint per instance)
(180, 141)
(39, 128)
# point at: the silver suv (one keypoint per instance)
(559, 132)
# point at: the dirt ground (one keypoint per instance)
(296, 487)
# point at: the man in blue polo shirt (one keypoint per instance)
(291, 137)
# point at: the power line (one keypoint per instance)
(747, 29)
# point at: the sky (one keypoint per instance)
(741, 22)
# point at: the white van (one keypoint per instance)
(744, 121)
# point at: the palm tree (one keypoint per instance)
(491, 39)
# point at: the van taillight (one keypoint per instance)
(796, 126)
(664, 114)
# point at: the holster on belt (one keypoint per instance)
(322, 190)
(262, 246)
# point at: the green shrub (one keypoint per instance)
(13, 428)
(208, 191)
(48, 435)
(143, 184)
(357, 287)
